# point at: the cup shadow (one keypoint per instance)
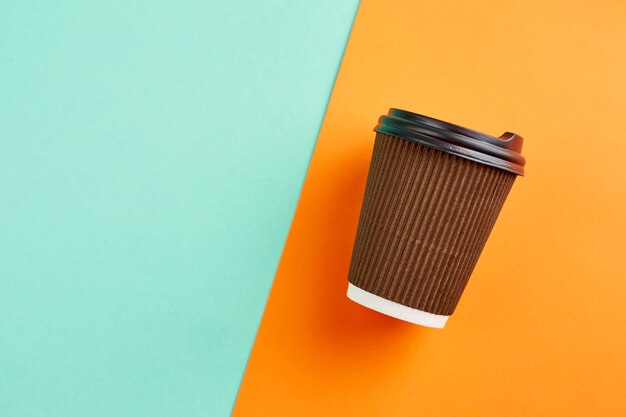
(339, 321)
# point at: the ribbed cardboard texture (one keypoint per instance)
(425, 218)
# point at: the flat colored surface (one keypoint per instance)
(539, 330)
(152, 156)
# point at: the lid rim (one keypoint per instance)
(447, 137)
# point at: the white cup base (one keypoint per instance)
(393, 309)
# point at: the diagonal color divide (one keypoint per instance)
(539, 328)
(152, 154)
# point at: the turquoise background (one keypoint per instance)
(152, 156)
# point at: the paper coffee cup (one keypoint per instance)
(433, 193)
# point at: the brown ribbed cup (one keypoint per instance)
(425, 218)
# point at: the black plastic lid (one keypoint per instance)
(503, 152)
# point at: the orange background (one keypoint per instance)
(540, 328)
